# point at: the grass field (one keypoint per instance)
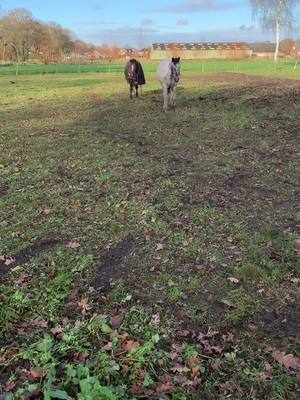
(146, 254)
(285, 68)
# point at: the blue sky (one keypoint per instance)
(138, 23)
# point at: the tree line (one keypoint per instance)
(23, 38)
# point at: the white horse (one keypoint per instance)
(168, 74)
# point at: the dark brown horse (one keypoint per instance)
(134, 75)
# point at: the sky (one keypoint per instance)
(139, 23)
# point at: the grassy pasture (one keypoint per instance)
(149, 255)
(256, 67)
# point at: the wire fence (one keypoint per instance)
(27, 69)
(251, 66)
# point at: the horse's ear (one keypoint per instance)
(173, 59)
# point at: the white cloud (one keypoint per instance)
(140, 37)
(147, 21)
(192, 6)
(182, 22)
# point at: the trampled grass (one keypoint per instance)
(144, 254)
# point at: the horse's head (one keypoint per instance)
(175, 69)
(132, 69)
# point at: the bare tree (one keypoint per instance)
(21, 36)
(80, 48)
(60, 42)
(287, 46)
(274, 14)
(16, 30)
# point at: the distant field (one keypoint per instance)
(261, 67)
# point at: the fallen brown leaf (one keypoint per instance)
(81, 357)
(56, 330)
(147, 235)
(159, 246)
(73, 245)
(35, 375)
(183, 333)
(295, 280)
(229, 337)
(268, 373)
(227, 303)
(165, 388)
(226, 388)
(180, 368)
(3, 298)
(138, 389)
(116, 321)
(130, 345)
(233, 279)
(209, 334)
(73, 294)
(173, 355)
(155, 320)
(125, 370)
(108, 347)
(193, 360)
(84, 306)
(287, 360)
(195, 372)
(9, 261)
(156, 258)
(252, 327)
(9, 353)
(10, 385)
(183, 381)
(209, 350)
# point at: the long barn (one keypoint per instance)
(200, 51)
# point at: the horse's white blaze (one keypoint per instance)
(168, 75)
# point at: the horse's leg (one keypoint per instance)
(173, 97)
(166, 97)
(136, 90)
(131, 90)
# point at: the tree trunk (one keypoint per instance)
(18, 57)
(278, 23)
(277, 40)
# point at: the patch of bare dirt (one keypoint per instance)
(219, 191)
(3, 190)
(283, 324)
(37, 248)
(112, 264)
